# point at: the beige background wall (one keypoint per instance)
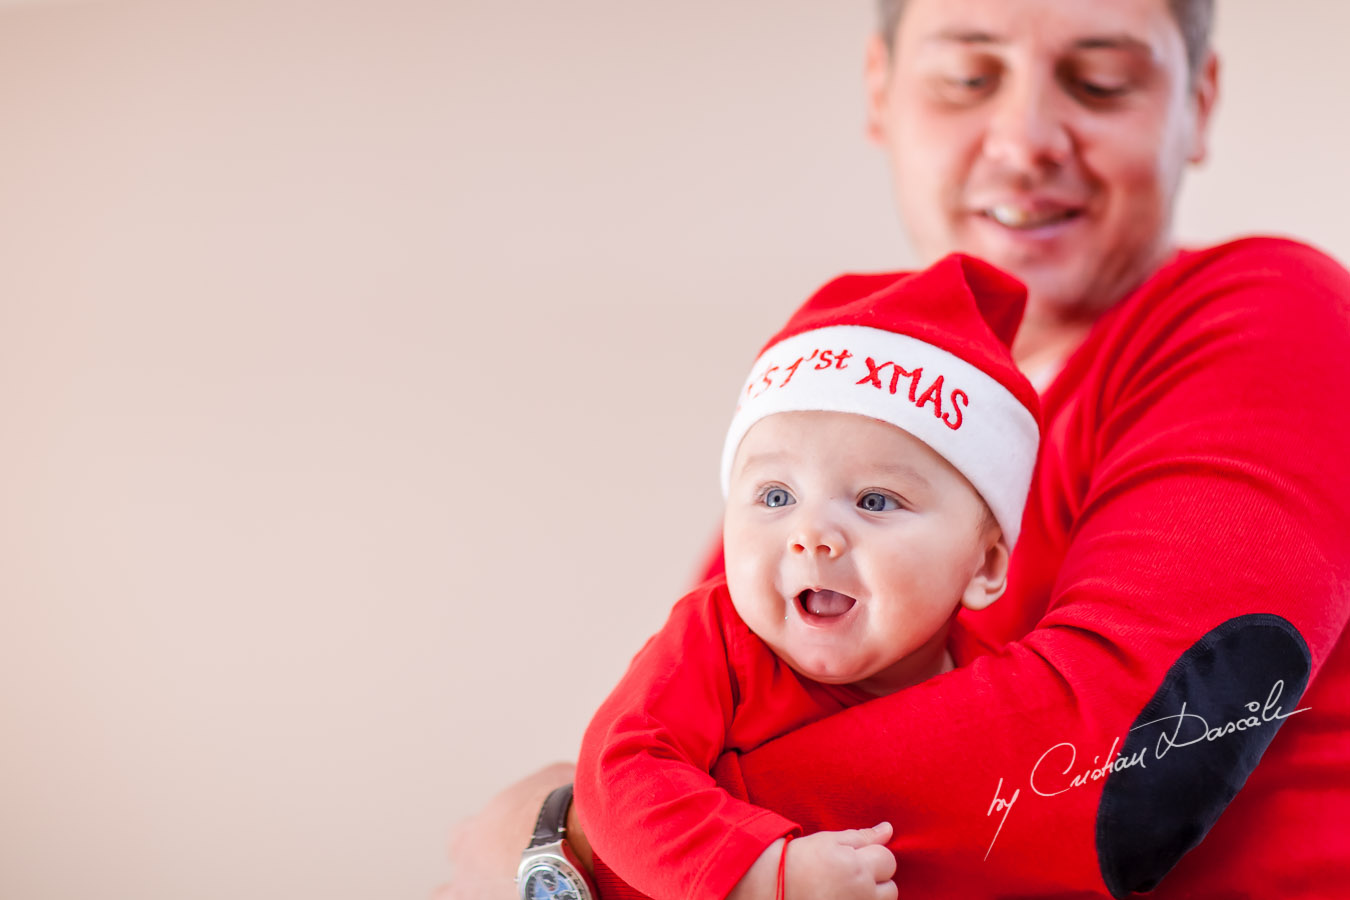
(363, 366)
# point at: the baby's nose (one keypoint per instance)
(817, 539)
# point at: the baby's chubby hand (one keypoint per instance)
(842, 865)
(827, 865)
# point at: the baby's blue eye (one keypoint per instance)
(777, 497)
(873, 501)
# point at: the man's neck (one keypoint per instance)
(1046, 340)
(1052, 331)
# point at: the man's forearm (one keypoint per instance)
(485, 848)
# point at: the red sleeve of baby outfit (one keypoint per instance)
(644, 793)
(1197, 486)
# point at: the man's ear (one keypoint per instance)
(876, 80)
(1205, 95)
(991, 580)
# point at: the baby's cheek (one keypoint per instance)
(755, 609)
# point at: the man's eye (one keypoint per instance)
(956, 87)
(874, 501)
(774, 497)
(969, 82)
(960, 87)
(1101, 91)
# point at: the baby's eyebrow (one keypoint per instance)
(904, 472)
(757, 460)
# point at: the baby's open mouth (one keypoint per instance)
(826, 604)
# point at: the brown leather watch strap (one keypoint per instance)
(552, 822)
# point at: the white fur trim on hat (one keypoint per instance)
(963, 414)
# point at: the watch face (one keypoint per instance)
(549, 882)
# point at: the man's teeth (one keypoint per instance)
(1017, 217)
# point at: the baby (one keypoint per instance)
(875, 473)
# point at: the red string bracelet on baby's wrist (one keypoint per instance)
(782, 871)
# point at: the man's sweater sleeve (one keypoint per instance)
(647, 801)
(1205, 577)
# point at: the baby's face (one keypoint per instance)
(850, 544)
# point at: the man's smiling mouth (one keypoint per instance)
(1011, 215)
(824, 604)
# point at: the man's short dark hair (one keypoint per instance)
(1194, 18)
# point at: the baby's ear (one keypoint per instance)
(990, 581)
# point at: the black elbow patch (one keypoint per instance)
(1194, 745)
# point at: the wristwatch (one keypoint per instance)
(549, 870)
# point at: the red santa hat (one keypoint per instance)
(925, 351)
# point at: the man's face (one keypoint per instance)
(1045, 136)
(849, 546)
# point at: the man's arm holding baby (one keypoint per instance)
(855, 865)
(484, 852)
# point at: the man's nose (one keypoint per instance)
(1028, 129)
(817, 537)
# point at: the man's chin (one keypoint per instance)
(1055, 286)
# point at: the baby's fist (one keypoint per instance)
(842, 865)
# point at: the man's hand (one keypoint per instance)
(485, 848)
(827, 865)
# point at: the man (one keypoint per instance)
(1047, 138)
(1183, 582)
